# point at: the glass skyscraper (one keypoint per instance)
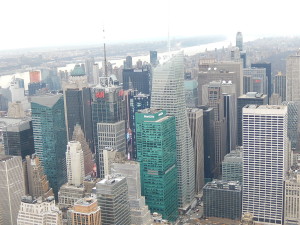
(50, 137)
(168, 93)
(156, 147)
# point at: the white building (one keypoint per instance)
(11, 188)
(38, 211)
(75, 163)
(139, 212)
(265, 161)
(292, 198)
(168, 93)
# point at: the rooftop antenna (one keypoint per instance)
(104, 49)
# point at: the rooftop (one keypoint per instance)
(224, 185)
(48, 100)
(77, 71)
(253, 95)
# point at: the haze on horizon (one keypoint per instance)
(34, 23)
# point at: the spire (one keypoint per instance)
(104, 49)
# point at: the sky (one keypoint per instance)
(43, 23)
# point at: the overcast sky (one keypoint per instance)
(38, 23)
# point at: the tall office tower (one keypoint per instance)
(88, 67)
(85, 212)
(50, 136)
(225, 71)
(280, 85)
(11, 188)
(77, 101)
(128, 62)
(139, 212)
(96, 73)
(137, 79)
(108, 117)
(292, 123)
(168, 94)
(191, 93)
(239, 41)
(248, 84)
(212, 97)
(5, 98)
(209, 142)
(75, 163)
(17, 136)
(195, 116)
(230, 108)
(267, 66)
(232, 166)
(78, 135)
(156, 148)
(258, 78)
(291, 198)
(39, 211)
(153, 58)
(113, 190)
(17, 90)
(249, 98)
(222, 199)
(275, 99)
(265, 161)
(36, 182)
(137, 102)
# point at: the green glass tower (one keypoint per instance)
(156, 152)
(50, 137)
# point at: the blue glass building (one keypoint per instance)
(50, 137)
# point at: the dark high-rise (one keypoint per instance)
(17, 136)
(267, 66)
(137, 102)
(249, 98)
(34, 87)
(153, 58)
(209, 142)
(137, 79)
(108, 116)
(50, 137)
(77, 101)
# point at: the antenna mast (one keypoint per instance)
(169, 43)
(104, 49)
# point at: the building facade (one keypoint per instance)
(168, 94)
(222, 199)
(265, 161)
(156, 148)
(268, 68)
(11, 188)
(232, 166)
(137, 79)
(112, 196)
(50, 137)
(280, 85)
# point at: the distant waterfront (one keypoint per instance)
(5, 79)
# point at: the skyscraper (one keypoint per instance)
(268, 68)
(153, 58)
(11, 188)
(128, 62)
(137, 79)
(108, 115)
(50, 137)
(232, 166)
(195, 116)
(88, 67)
(280, 85)
(265, 161)
(191, 93)
(75, 163)
(77, 102)
(249, 98)
(168, 94)
(112, 196)
(17, 136)
(239, 40)
(36, 182)
(139, 212)
(212, 96)
(258, 78)
(292, 123)
(137, 102)
(291, 201)
(156, 148)
(78, 135)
